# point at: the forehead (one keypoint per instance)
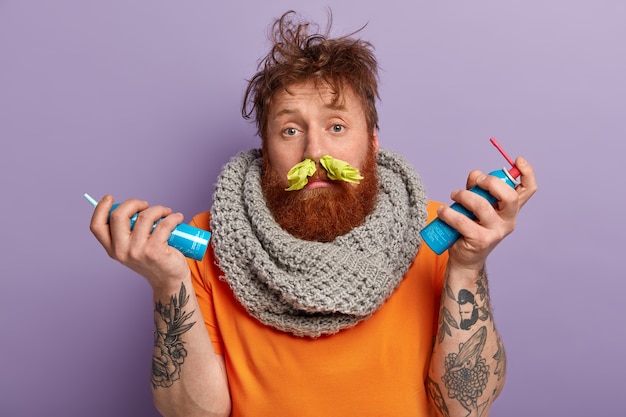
(310, 93)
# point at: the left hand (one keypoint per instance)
(493, 223)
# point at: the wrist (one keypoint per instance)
(464, 271)
(165, 288)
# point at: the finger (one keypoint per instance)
(119, 224)
(472, 177)
(149, 241)
(164, 229)
(146, 219)
(507, 199)
(469, 229)
(528, 183)
(99, 224)
(119, 218)
(482, 209)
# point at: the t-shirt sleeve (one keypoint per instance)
(440, 265)
(202, 275)
(441, 261)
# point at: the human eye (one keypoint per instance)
(337, 128)
(290, 131)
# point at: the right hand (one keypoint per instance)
(494, 222)
(143, 250)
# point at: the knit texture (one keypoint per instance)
(313, 288)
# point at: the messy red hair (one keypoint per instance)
(298, 55)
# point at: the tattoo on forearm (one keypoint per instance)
(437, 397)
(483, 293)
(446, 320)
(469, 311)
(467, 373)
(500, 358)
(170, 323)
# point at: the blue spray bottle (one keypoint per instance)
(439, 235)
(191, 241)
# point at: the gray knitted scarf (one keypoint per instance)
(313, 288)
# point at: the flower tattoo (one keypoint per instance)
(169, 350)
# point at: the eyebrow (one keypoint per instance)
(285, 111)
(332, 106)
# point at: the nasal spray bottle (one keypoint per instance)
(191, 241)
(439, 235)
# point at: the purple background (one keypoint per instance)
(141, 99)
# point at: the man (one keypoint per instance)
(317, 295)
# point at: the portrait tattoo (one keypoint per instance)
(467, 373)
(170, 322)
(469, 311)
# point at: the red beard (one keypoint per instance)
(322, 214)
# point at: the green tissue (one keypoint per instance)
(340, 170)
(298, 176)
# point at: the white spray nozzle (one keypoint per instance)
(90, 199)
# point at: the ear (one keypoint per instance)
(375, 143)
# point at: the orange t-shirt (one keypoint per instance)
(376, 368)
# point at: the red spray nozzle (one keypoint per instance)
(514, 172)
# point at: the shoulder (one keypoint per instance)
(431, 209)
(201, 220)
(426, 261)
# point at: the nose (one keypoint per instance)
(314, 145)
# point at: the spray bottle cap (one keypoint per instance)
(90, 199)
(513, 172)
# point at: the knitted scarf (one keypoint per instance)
(313, 288)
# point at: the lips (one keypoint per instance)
(317, 183)
(319, 179)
